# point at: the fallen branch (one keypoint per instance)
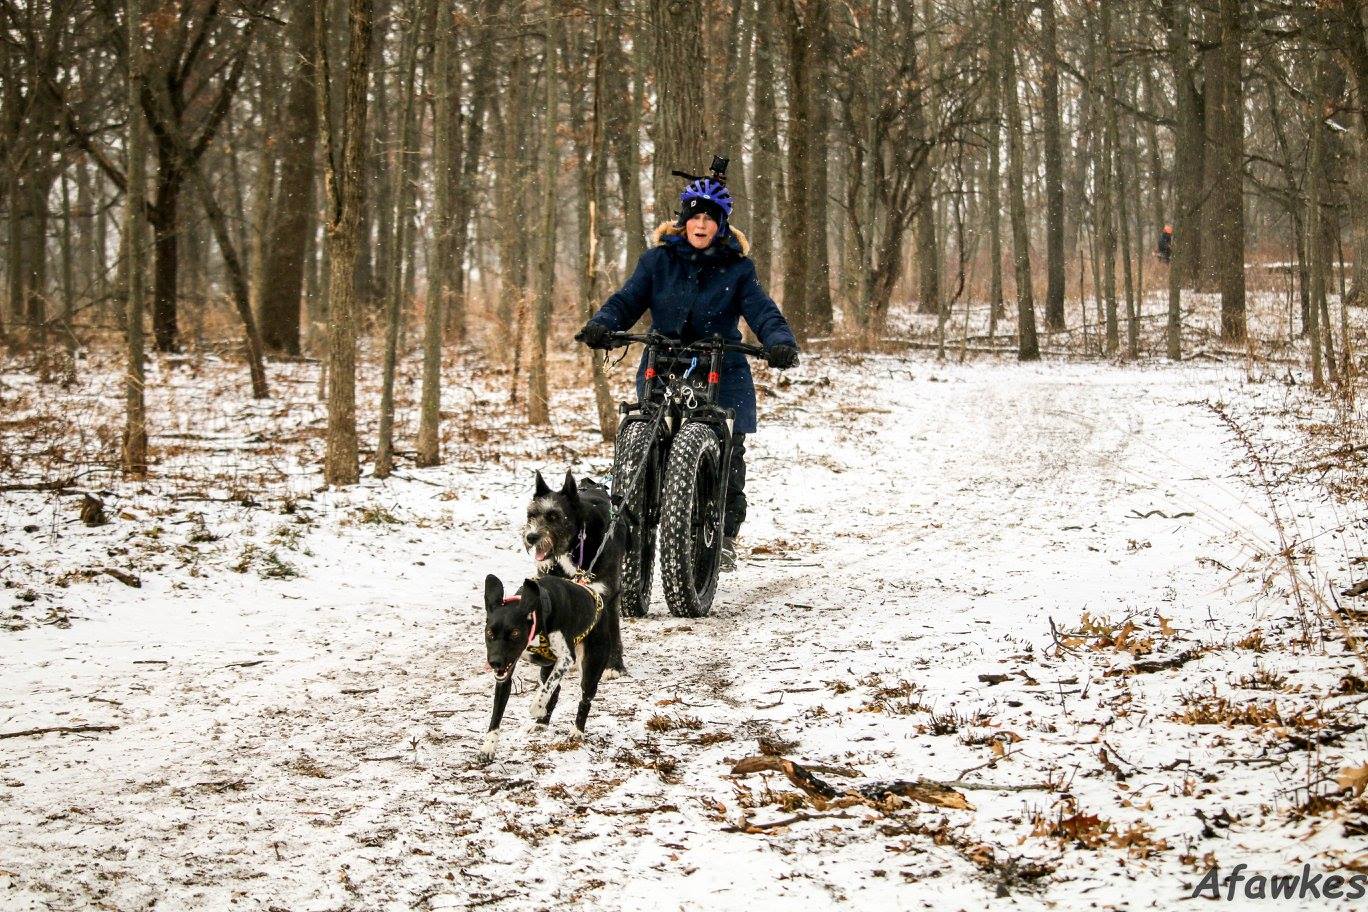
(63, 485)
(1136, 514)
(747, 827)
(127, 579)
(627, 812)
(60, 730)
(357, 691)
(1163, 664)
(1059, 644)
(822, 793)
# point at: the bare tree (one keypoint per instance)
(1028, 345)
(408, 127)
(680, 127)
(294, 208)
(343, 161)
(1054, 169)
(1229, 190)
(538, 383)
(135, 230)
(440, 283)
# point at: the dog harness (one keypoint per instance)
(542, 648)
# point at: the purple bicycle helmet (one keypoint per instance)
(705, 195)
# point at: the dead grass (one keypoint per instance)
(662, 723)
(1212, 709)
(899, 698)
(1262, 678)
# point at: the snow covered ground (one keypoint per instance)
(298, 691)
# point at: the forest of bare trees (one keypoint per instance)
(345, 180)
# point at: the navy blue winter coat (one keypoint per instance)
(693, 294)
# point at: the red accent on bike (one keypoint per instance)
(650, 373)
(713, 377)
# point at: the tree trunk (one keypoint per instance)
(994, 189)
(165, 220)
(134, 450)
(445, 109)
(1230, 187)
(538, 387)
(1121, 190)
(343, 174)
(264, 203)
(407, 128)
(739, 61)
(595, 172)
(1054, 172)
(624, 128)
(36, 259)
(14, 303)
(1315, 250)
(1106, 187)
(294, 216)
(928, 244)
(797, 219)
(766, 161)
(482, 78)
(681, 127)
(817, 295)
(1028, 345)
(509, 191)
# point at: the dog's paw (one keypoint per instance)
(576, 736)
(488, 748)
(539, 708)
(612, 674)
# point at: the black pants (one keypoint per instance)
(736, 487)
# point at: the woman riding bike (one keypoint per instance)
(697, 281)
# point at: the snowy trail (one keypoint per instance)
(927, 536)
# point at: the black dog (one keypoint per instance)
(558, 623)
(570, 534)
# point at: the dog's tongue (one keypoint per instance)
(543, 552)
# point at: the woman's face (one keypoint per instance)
(700, 230)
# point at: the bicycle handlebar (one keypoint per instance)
(620, 339)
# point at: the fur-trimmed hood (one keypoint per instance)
(668, 229)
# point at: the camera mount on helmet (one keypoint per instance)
(718, 169)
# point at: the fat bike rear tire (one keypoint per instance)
(634, 442)
(690, 531)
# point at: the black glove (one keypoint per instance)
(782, 356)
(594, 335)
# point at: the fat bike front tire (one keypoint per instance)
(634, 442)
(690, 527)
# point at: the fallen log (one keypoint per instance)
(822, 793)
(59, 730)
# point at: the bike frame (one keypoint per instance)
(683, 407)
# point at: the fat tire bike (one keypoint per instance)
(671, 461)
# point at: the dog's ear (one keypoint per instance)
(494, 591)
(542, 487)
(569, 489)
